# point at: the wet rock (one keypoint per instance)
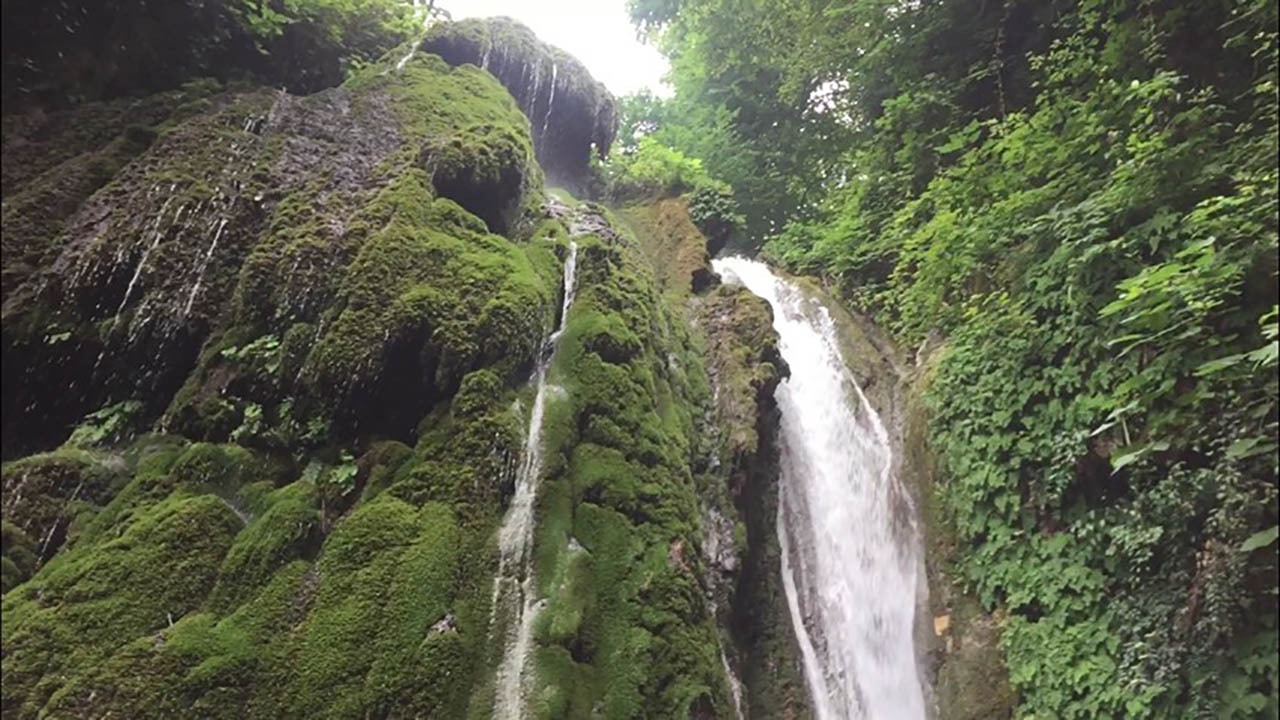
(719, 547)
(570, 113)
(703, 280)
(446, 624)
(485, 169)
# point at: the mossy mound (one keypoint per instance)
(229, 583)
(160, 566)
(484, 169)
(628, 629)
(258, 219)
(572, 114)
(46, 497)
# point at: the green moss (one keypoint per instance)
(565, 686)
(621, 645)
(472, 140)
(567, 588)
(447, 214)
(380, 464)
(446, 304)
(284, 529)
(44, 496)
(485, 169)
(100, 596)
(19, 555)
(217, 468)
(618, 520)
(291, 274)
(201, 664)
(386, 577)
(570, 111)
(465, 456)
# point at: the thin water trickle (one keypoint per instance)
(425, 21)
(551, 101)
(735, 685)
(849, 555)
(156, 237)
(204, 264)
(513, 587)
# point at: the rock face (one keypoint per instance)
(264, 362)
(570, 113)
(314, 225)
(71, 51)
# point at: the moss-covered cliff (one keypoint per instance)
(265, 364)
(573, 116)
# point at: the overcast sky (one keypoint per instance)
(597, 32)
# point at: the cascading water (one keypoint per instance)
(422, 12)
(514, 593)
(551, 103)
(846, 528)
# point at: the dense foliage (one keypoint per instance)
(1081, 199)
(645, 168)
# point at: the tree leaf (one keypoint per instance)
(1260, 539)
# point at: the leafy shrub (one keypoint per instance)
(653, 170)
(110, 424)
(714, 210)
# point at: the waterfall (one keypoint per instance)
(513, 587)
(551, 102)
(846, 528)
(735, 685)
(423, 14)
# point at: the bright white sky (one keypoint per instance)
(597, 32)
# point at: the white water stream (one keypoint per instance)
(848, 540)
(513, 589)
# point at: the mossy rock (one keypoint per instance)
(420, 309)
(626, 630)
(744, 363)
(386, 577)
(571, 114)
(486, 169)
(286, 528)
(45, 497)
(89, 602)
